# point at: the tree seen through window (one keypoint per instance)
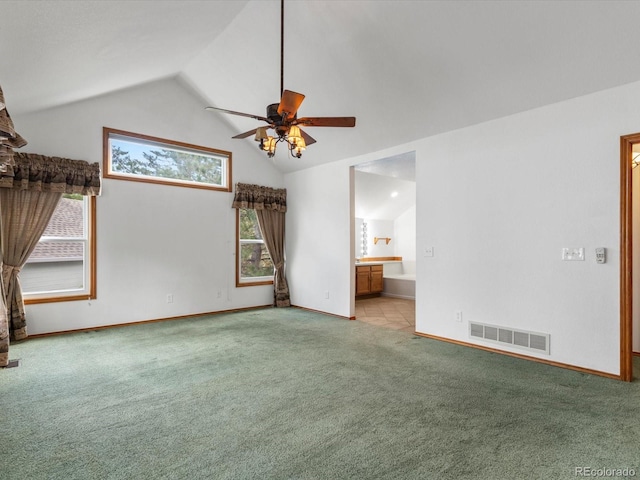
(135, 157)
(165, 163)
(254, 257)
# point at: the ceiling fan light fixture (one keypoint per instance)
(269, 146)
(298, 148)
(261, 134)
(294, 136)
(296, 141)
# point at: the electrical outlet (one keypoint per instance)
(326, 294)
(458, 316)
(573, 254)
(170, 298)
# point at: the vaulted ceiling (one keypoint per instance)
(405, 69)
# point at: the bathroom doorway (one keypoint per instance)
(384, 219)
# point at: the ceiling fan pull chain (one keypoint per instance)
(281, 47)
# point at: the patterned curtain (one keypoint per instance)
(51, 174)
(260, 198)
(24, 215)
(9, 139)
(29, 193)
(270, 205)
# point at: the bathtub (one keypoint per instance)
(399, 280)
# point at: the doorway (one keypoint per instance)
(629, 221)
(384, 238)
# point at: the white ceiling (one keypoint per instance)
(385, 188)
(402, 166)
(405, 69)
(374, 199)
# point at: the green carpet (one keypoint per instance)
(291, 394)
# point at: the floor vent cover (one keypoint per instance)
(537, 342)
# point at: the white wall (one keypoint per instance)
(320, 238)
(401, 231)
(153, 240)
(381, 229)
(405, 235)
(532, 184)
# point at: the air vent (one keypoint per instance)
(538, 342)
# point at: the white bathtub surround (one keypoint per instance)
(400, 279)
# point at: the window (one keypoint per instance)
(62, 266)
(254, 263)
(140, 158)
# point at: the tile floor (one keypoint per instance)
(387, 312)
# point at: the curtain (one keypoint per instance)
(272, 227)
(9, 139)
(30, 190)
(52, 174)
(260, 198)
(270, 205)
(24, 215)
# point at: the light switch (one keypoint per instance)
(573, 254)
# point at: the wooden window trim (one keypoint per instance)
(106, 170)
(240, 283)
(92, 277)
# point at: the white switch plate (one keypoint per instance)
(428, 251)
(573, 254)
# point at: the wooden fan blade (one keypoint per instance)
(290, 103)
(250, 115)
(327, 121)
(246, 134)
(308, 139)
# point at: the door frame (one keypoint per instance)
(626, 256)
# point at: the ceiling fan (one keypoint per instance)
(282, 117)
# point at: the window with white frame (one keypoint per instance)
(141, 158)
(254, 265)
(62, 265)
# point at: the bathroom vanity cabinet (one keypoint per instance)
(369, 279)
